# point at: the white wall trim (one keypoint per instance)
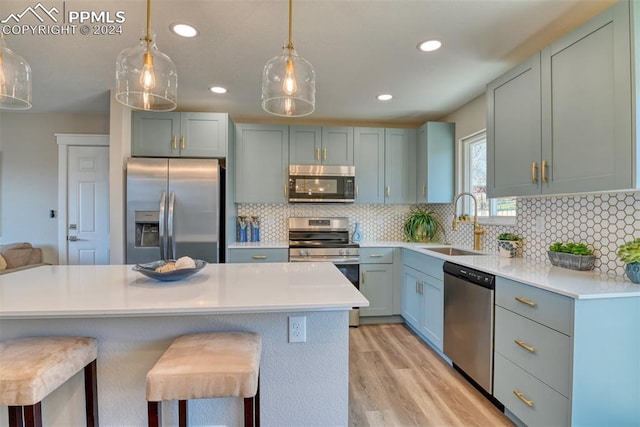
(64, 140)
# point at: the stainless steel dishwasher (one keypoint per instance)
(468, 322)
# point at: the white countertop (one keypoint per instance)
(117, 291)
(574, 284)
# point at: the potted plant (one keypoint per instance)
(509, 245)
(629, 253)
(575, 256)
(421, 225)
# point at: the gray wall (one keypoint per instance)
(29, 174)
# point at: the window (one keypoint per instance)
(473, 149)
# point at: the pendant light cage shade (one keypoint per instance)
(15, 80)
(289, 85)
(146, 79)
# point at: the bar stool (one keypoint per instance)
(33, 367)
(210, 365)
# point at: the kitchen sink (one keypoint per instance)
(452, 251)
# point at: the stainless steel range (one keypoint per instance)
(326, 239)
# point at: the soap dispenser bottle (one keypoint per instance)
(356, 237)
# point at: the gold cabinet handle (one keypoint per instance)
(182, 143)
(525, 346)
(543, 170)
(356, 191)
(363, 278)
(174, 142)
(259, 257)
(526, 401)
(424, 191)
(534, 172)
(284, 190)
(526, 301)
(317, 154)
(324, 154)
(388, 191)
(376, 256)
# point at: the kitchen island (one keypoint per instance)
(136, 318)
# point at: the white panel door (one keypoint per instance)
(88, 205)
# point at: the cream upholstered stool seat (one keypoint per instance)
(209, 365)
(31, 368)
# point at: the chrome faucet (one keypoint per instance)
(477, 231)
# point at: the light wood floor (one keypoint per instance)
(397, 380)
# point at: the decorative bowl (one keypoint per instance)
(149, 270)
(571, 261)
(633, 272)
(510, 248)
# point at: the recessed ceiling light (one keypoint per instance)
(429, 45)
(184, 30)
(384, 97)
(217, 89)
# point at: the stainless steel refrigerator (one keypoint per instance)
(173, 209)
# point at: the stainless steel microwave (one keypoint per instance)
(321, 184)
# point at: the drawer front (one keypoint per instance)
(548, 308)
(258, 255)
(424, 263)
(376, 255)
(542, 352)
(548, 407)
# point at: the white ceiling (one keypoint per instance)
(359, 49)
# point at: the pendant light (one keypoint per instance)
(15, 80)
(289, 82)
(146, 79)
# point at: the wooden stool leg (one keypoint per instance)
(154, 414)
(183, 413)
(33, 415)
(248, 411)
(15, 416)
(91, 394)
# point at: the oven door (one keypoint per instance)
(352, 273)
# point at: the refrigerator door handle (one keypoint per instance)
(161, 226)
(170, 224)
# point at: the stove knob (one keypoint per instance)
(308, 252)
(301, 252)
(342, 252)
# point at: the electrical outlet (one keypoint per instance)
(540, 225)
(298, 329)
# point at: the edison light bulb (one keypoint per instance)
(147, 100)
(289, 85)
(148, 77)
(2, 78)
(288, 106)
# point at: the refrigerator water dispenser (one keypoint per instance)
(147, 229)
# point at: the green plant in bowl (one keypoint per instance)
(575, 256)
(629, 253)
(509, 245)
(571, 248)
(512, 237)
(421, 225)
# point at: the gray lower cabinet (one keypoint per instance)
(262, 162)
(423, 296)
(376, 281)
(179, 134)
(257, 255)
(560, 361)
(435, 163)
(562, 121)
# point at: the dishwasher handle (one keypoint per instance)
(471, 275)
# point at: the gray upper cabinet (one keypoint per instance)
(314, 145)
(368, 146)
(262, 159)
(179, 134)
(435, 163)
(514, 131)
(562, 122)
(400, 166)
(586, 107)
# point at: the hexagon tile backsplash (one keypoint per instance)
(603, 221)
